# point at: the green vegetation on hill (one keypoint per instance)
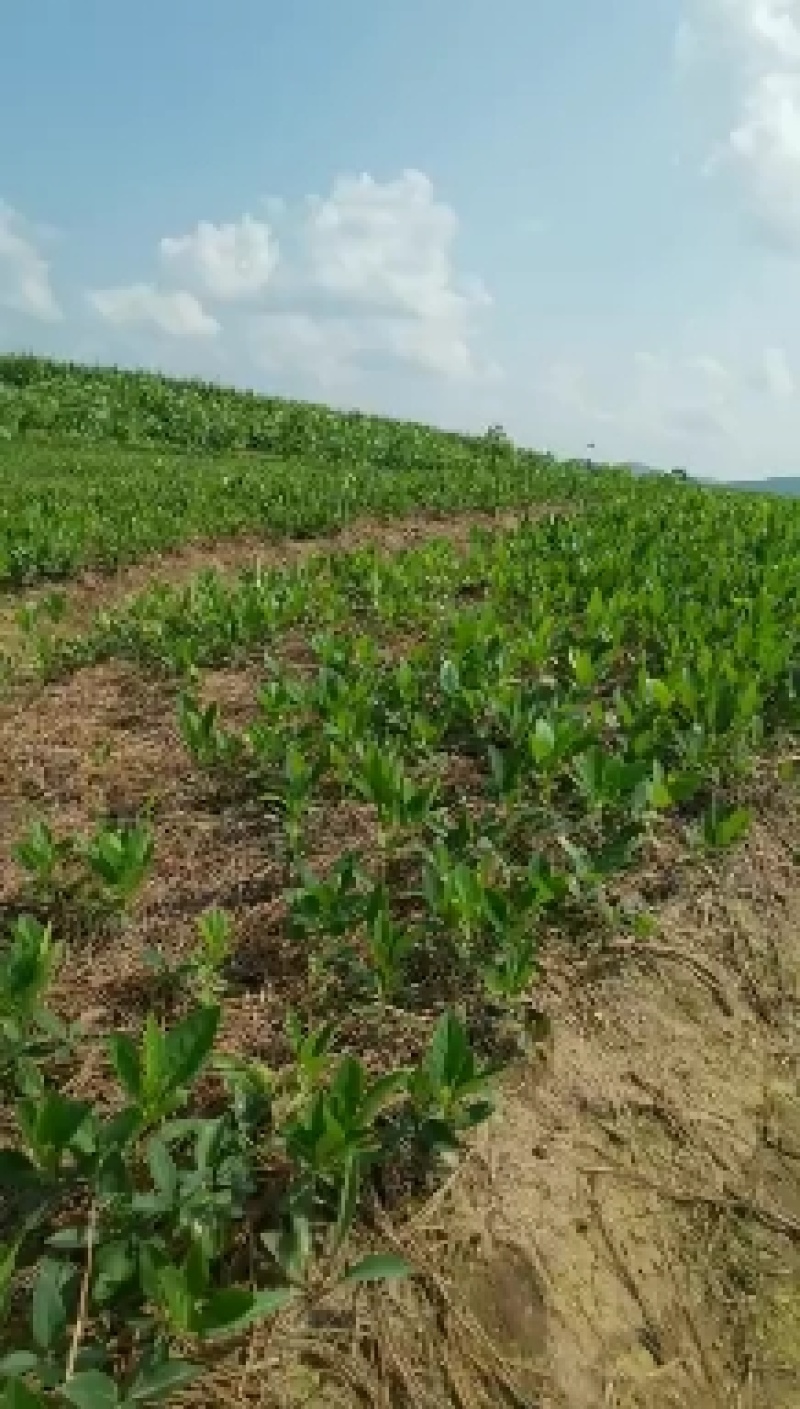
(102, 467)
(97, 404)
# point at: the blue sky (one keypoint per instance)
(581, 220)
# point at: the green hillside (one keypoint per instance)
(99, 468)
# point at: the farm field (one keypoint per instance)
(98, 469)
(398, 869)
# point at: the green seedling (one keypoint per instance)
(49, 1123)
(29, 1033)
(456, 892)
(311, 1052)
(45, 859)
(513, 968)
(213, 952)
(722, 826)
(201, 1177)
(190, 1305)
(210, 746)
(449, 1091)
(388, 945)
(379, 777)
(155, 1075)
(335, 1136)
(119, 860)
(300, 776)
(332, 907)
(552, 743)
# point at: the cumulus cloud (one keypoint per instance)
(172, 311)
(230, 261)
(389, 245)
(384, 252)
(765, 150)
(758, 41)
(363, 277)
(24, 272)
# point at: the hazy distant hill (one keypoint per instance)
(787, 485)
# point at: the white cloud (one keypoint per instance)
(385, 251)
(765, 149)
(24, 272)
(172, 311)
(389, 245)
(773, 375)
(232, 261)
(662, 397)
(365, 276)
(764, 27)
(757, 43)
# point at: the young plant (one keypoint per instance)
(722, 826)
(456, 892)
(449, 1091)
(45, 860)
(211, 747)
(334, 1137)
(380, 778)
(29, 1033)
(155, 1076)
(212, 953)
(300, 775)
(119, 860)
(388, 945)
(513, 968)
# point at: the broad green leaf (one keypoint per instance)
(155, 1382)
(188, 1045)
(48, 1309)
(19, 1362)
(163, 1168)
(175, 1297)
(232, 1308)
(379, 1267)
(154, 1061)
(383, 1093)
(90, 1389)
(18, 1396)
(348, 1200)
(126, 1064)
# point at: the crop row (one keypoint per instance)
(64, 508)
(653, 573)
